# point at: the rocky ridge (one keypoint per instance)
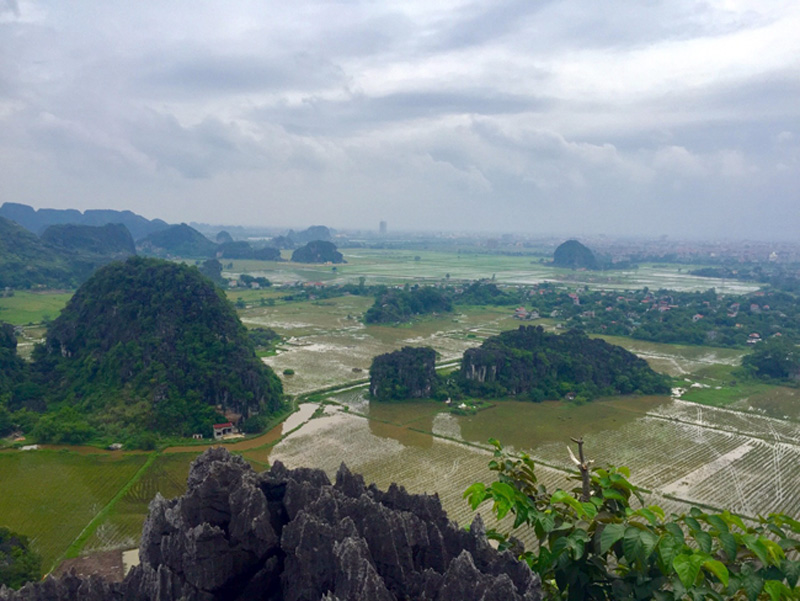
(292, 535)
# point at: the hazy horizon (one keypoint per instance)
(556, 118)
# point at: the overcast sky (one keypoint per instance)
(617, 117)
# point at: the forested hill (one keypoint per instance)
(535, 364)
(39, 220)
(318, 251)
(111, 240)
(179, 241)
(25, 260)
(574, 255)
(149, 344)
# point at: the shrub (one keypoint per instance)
(593, 544)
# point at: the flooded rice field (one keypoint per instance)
(330, 346)
(682, 452)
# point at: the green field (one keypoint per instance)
(123, 525)
(32, 307)
(50, 496)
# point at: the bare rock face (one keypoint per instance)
(291, 535)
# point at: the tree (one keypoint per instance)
(18, 562)
(598, 546)
(776, 358)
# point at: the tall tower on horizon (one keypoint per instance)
(382, 228)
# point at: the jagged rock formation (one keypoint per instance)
(291, 535)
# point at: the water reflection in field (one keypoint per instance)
(665, 442)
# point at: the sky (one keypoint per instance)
(540, 117)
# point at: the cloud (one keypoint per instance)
(612, 117)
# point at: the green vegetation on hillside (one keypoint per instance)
(26, 261)
(148, 346)
(531, 363)
(574, 255)
(112, 240)
(409, 373)
(318, 251)
(241, 249)
(177, 241)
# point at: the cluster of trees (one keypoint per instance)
(533, 364)
(672, 317)
(144, 345)
(775, 359)
(594, 543)
(18, 562)
(409, 373)
(400, 305)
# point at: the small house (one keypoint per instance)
(222, 430)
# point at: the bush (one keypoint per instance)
(255, 424)
(593, 544)
(288, 371)
(18, 563)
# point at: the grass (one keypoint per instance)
(51, 496)
(32, 307)
(121, 525)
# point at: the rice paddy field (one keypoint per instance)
(717, 441)
(50, 496)
(382, 266)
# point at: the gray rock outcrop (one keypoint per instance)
(291, 535)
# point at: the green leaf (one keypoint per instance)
(610, 535)
(774, 551)
(668, 548)
(777, 590)
(638, 544)
(476, 494)
(718, 569)
(757, 547)
(647, 514)
(692, 523)
(703, 540)
(610, 493)
(791, 569)
(730, 518)
(674, 530)
(728, 543)
(589, 509)
(562, 496)
(717, 522)
(752, 584)
(687, 567)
